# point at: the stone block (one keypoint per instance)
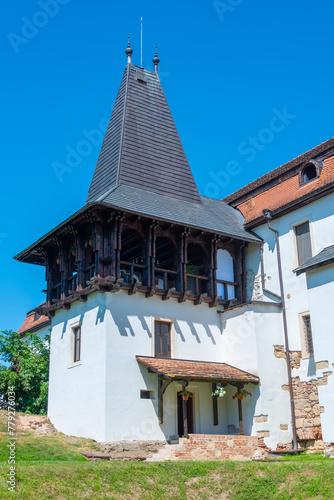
(320, 365)
(299, 422)
(263, 434)
(211, 445)
(279, 351)
(260, 419)
(302, 404)
(198, 454)
(284, 427)
(317, 421)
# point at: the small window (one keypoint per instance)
(146, 394)
(304, 249)
(309, 171)
(225, 275)
(77, 343)
(306, 334)
(162, 339)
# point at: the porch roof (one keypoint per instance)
(176, 369)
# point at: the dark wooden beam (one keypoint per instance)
(152, 291)
(185, 296)
(241, 424)
(168, 294)
(134, 288)
(215, 405)
(200, 299)
(185, 415)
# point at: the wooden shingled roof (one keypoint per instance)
(196, 370)
(142, 147)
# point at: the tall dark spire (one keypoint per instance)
(142, 147)
(129, 51)
(156, 59)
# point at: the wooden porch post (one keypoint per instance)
(241, 424)
(215, 405)
(185, 415)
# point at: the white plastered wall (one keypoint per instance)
(311, 292)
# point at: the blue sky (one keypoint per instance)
(249, 83)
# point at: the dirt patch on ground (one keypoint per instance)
(35, 424)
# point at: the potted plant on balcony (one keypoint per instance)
(191, 268)
(185, 394)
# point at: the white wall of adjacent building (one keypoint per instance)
(310, 292)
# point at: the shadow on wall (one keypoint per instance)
(320, 277)
(137, 324)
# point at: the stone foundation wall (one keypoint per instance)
(131, 450)
(215, 447)
(307, 408)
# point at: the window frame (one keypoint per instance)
(76, 344)
(159, 322)
(318, 168)
(294, 244)
(172, 336)
(307, 346)
(298, 246)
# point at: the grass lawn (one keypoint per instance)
(51, 467)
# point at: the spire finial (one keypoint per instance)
(129, 51)
(156, 59)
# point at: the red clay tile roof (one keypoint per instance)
(277, 172)
(32, 325)
(196, 370)
(285, 193)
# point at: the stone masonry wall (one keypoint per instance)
(307, 408)
(215, 447)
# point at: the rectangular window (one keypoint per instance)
(304, 249)
(162, 339)
(77, 343)
(147, 394)
(306, 334)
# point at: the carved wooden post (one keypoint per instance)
(213, 267)
(154, 236)
(185, 259)
(185, 414)
(215, 405)
(113, 245)
(119, 244)
(241, 424)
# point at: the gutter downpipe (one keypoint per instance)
(267, 216)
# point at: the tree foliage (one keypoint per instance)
(26, 369)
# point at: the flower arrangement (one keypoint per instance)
(241, 394)
(219, 391)
(185, 394)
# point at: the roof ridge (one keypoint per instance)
(123, 121)
(276, 172)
